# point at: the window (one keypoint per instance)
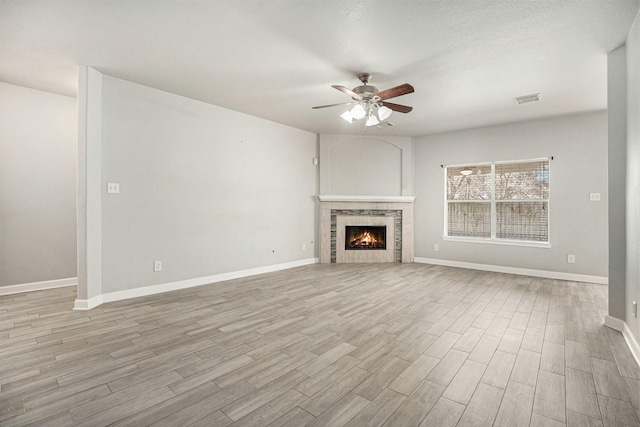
(498, 201)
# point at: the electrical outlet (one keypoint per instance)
(113, 187)
(304, 247)
(436, 248)
(594, 197)
(635, 309)
(571, 259)
(157, 266)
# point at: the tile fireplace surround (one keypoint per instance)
(396, 212)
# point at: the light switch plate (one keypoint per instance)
(113, 187)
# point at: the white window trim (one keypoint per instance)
(506, 242)
(494, 240)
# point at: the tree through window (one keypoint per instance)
(507, 200)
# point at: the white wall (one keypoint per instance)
(37, 186)
(577, 226)
(203, 189)
(633, 179)
(366, 165)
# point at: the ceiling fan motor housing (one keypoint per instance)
(366, 91)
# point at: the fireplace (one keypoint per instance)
(369, 237)
(345, 218)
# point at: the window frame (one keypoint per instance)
(494, 240)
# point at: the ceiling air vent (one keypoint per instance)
(528, 98)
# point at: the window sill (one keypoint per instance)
(498, 242)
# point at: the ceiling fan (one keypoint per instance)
(370, 102)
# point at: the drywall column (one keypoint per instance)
(89, 188)
(633, 183)
(617, 151)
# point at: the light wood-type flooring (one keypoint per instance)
(323, 345)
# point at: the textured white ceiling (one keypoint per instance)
(467, 59)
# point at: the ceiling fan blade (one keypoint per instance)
(397, 107)
(334, 105)
(347, 91)
(395, 91)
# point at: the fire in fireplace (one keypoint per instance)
(365, 237)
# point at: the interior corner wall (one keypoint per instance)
(203, 189)
(617, 173)
(37, 186)
(366, 165)
(577, 226)
(633, 178)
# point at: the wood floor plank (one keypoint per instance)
(294, 418)
(403, 344)
(251, 401)
(377, 382)
(550, 396)
(525, 369)
(461, 388)
(484, 350)
(581, 393)
(340, 413)
(578, 420)
(483, 407)
(617, 412)
(448, 367)
(379, 410)
(533, 339)
(552, 358)
(416, 406)
(322, 400)
(499, 369)
(516, 407)
(445, 413)
(608, 380)
(577, 355)
(469, 340)
(413, 375)
(442, 345)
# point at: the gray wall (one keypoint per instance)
(203, 189)
(617, 157)
(366, 165)
(633, 177)
(37, 186)
(577, 226)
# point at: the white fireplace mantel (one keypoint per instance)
(365, 199)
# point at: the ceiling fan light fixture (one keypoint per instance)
(466, 171)
(371, 104)
(372, 120)
(358, 112)
(347, 116)
(384, 113)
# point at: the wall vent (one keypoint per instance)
(528, 98)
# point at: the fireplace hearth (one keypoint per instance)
(368, 237)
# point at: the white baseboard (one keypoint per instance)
(183, 284)
(621, 326)
(37, 286)
(514, 270)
